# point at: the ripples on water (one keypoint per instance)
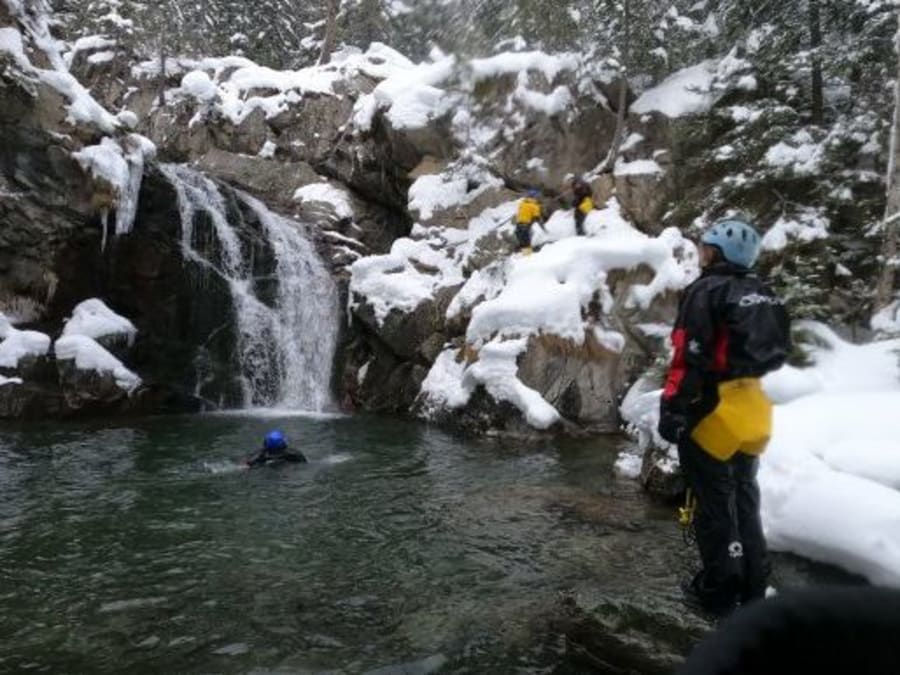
(150, 547)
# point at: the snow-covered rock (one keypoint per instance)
(18, 345)
(86, 354)
(95, 320)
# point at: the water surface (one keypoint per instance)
(145, 547)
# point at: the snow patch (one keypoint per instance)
(807, 225)
(325, 193)
(19, 344)
(686, 92)
(95, 320)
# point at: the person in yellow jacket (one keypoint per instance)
(530, 212)
(730, 331)
(584, 203)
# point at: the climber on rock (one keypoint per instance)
(530, 212)
(730, 331)
(583, 197)
(275, 451)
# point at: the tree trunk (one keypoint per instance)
(619, 135)
(884, 292)
(815, 43)
(330, 30)
(162, 73)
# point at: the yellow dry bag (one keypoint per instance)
(742, 422)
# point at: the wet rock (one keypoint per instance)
(583, 382)
(616, 634)
(660, 473)
(405, 333)
(84, 390)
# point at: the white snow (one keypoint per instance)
(11, 43)
(808, 224)
(639, 167)
(409, 93)
(121, 166)
(686, 92)
(19, 344)
(82, 106)
(550, 104)
(267, 151)
(800, 153)
(95, 320)
(547, 292)
(496, 369)
(430, 193)
(88, 354)
(9, 380)
(509, 63)
(325, 193)
(197, 84)
(443, 387)
(101, 57)
(887, 320)
(412, 272)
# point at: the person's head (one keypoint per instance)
(580, 187)
(733, 240)
(533, 193)
(274, 441)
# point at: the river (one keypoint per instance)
(146, 547)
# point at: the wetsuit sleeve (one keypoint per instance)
(259, 458)
(693, 356)
(294, 457)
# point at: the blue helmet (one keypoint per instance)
(534, 194)
(736, 238)
(274, 440)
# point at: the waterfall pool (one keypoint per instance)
(145, 546)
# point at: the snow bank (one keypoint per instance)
(410, 274)
(547, 292)
(497, 370)
(197, 84)
(443, 387)
(19, 344)
(325, 193)
(510, 63)
(95, 320)
(686, 92)
(11, 43)
(88, 354)
(409, 93)
(451, 383)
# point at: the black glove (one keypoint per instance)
(672, 426)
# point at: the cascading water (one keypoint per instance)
(285, 351)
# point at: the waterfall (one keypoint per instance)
(286, 350)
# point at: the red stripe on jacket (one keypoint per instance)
(678, 369)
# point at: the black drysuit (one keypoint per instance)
(729, 326)
(275, 456)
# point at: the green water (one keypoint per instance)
(145, 547)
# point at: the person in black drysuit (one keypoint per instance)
(730, 326)
(275, 450)
(583, 197)
(825, 631)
